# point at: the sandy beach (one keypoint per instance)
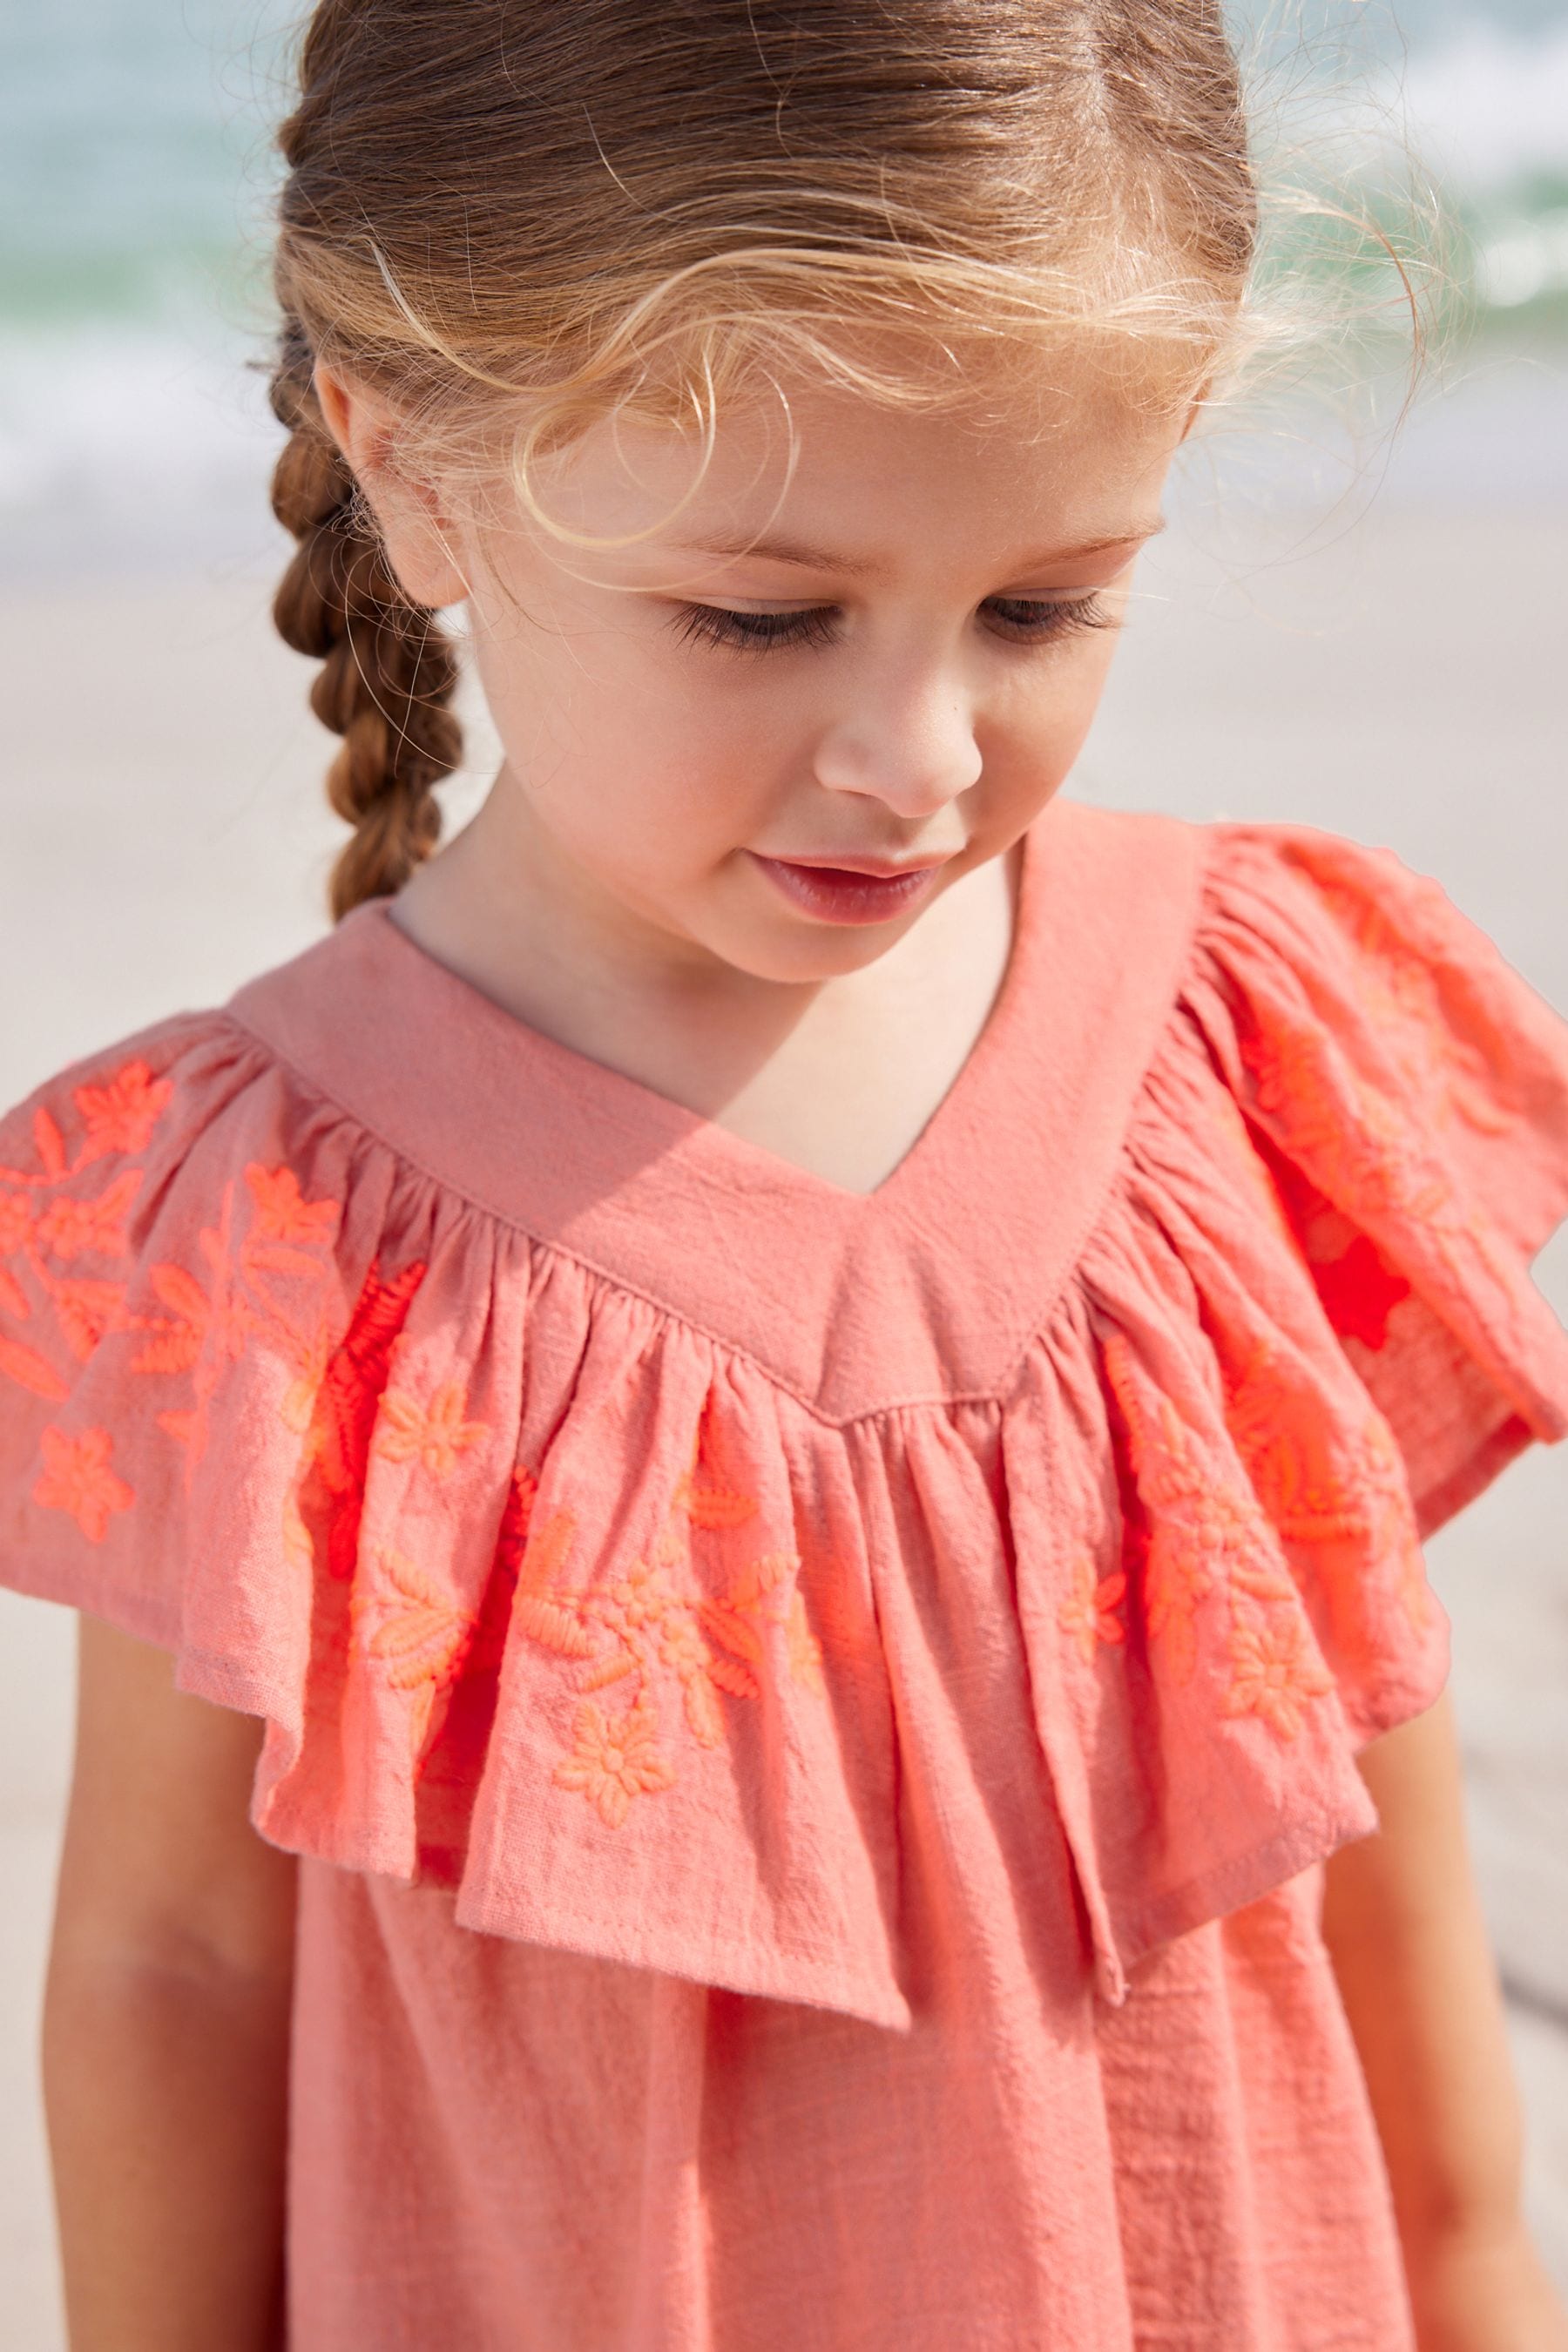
(164, 837)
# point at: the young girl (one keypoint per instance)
(779, 1412)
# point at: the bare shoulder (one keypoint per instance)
(161, 1864)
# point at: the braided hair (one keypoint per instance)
(389, 668)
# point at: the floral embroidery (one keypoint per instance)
(1400, 987)
(1088, 1615)
(121, 1117)
(1201, 1525)
(44, 1230)
(1276, 1673)
(614, 1759)
(77, 1479)
(71, 1229)
(271, 1279)
(339, 1410)
(1361, 1497)
(422, 1636)
(1208, 1535)
(1378, 1170)
(656, 1626)
(433, 1435)
(29, 1370)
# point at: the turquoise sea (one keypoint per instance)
(135, 172)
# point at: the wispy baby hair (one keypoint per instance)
(511, 217)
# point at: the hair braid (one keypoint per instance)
(389, 668)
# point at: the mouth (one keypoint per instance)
(851, 890)
(880, 869)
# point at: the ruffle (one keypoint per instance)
(1313, 1337)
(552, 1599)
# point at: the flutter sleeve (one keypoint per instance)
(504, 1557)
(1408, 1091)
(1303, 1334)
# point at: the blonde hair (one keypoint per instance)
(512, 220)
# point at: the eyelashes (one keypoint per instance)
(1024, 620)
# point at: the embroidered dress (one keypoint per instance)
(812, 1722)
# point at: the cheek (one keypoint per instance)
(1041, 722)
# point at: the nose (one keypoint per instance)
(911, 745)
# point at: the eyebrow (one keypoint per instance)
(824, 559)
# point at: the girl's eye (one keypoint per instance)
(756, 631)
(1026, 620)
(1042, 619)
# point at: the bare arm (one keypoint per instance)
(166, 2020)
(1404, 1927)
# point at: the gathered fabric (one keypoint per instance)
(813, 1721)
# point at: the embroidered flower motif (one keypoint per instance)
(30, 1371)
(1275, 1672)
(1209, 1534)
(121, 1116)
(15, 1223)
(88, 1312)
(615, 1758)
(283, 1215)
(1088, 1614)
(268, 1277)
(433, 1435)
(343, 1409)
(417, 1632)
(1203, 1520)
(658, 1623)
(1354, 1493)
(1399, 982)
(77, 1479)
(71, 1229)
(1381, 1169)
(39, 1232)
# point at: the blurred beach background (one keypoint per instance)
(1346, 626)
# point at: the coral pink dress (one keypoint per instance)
(812, 1722)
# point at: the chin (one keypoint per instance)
(816, 953)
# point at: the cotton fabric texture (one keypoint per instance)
(812, 1722)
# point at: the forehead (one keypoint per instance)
(840, 482)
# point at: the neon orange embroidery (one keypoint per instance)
(30, 1371)
(1275, 1672)
(1399, 984)
(664, 1629)
(419, 1635)
(614, 1759)
(1199, 1523)
(1374, 1167)
(1088, 1614)
(1359, 1496)
(268, 1277)
(15, 1223)
(119, 1118)
(433, 1434)
(42, 1229)
(343, 1415)
(77, 1479)
(71, 1229)
(1209, 1534)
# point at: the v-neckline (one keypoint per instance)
(630, 1100)
(927, 1285)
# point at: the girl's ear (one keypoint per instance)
(418, 538)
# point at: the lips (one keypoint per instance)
(850, 889)
(882, 869)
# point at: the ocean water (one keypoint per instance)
(136, 171)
